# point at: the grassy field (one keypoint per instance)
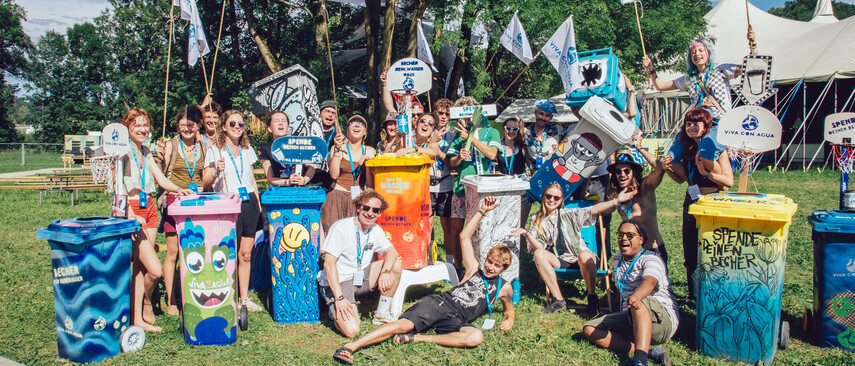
(27, 330)
(10, 160)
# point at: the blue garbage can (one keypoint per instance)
(833, 314)
(294, 218)
(91, 261)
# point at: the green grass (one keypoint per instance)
(10, 160)
(27, 332)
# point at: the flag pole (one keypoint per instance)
(329, 57)
(638, 22)
(518, 76)
(752, 44)
(204, 72)
(217, 49)
(168, 57)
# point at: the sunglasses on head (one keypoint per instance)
(239, 124)
(428, 122)
(620, 235)
(512, 129)
(366, 208)
(547, 196)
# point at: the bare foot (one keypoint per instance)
(148, 327)
(148, 313)
(172, 310)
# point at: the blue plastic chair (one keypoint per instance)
(589, 235)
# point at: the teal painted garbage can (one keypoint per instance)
(91, 261)
(833, 317)
(294, 218)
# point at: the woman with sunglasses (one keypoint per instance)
(422, 141)
(139, 176)
(703, 177)
(347, 167)
(512, 156)
(228, 168)
(389, 142)
(557, 242)
(648, 315)
(185, 157)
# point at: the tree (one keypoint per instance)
(803, 10)
(15, 45)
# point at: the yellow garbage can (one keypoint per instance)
(742, 242)
(405, 184)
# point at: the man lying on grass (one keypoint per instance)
(452, 312)
(648, 313)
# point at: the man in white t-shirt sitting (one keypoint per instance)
(350, 268)
(648, 313)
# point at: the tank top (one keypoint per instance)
(468, 299)
(132, 177)
(345, 178)
(180, 175)
(518, 162)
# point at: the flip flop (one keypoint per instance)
(404, 338)
(344, 355)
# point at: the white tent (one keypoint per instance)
(823, 13)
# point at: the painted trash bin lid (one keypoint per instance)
(293, 195)
(82, 230)
(390, 159)
(833, 221)
(488, 183)
(205, 204)
(758, 206)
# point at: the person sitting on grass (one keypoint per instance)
(279, 174)
(648, 314)
(350, 268)
(452, 312)
(564, 248)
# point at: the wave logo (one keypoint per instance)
(571, 55)
(519, 37)
(409, 84)
(100, 323)
(115, 135)
(750, 123)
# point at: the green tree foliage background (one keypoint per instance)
(14, 46)
(803, 10)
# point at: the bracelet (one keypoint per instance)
(482, 212)
(339, 298)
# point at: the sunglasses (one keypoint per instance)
(239, 124)
(512, 129)
(547, 196)
(442, 113)
(620, 235)
(623, 171)
(429, 123)
(189, 126)
(366, 208)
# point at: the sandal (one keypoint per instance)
(343, 355)
(404, 338)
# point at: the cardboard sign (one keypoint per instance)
(840, 128)
(299, 150)
(756, 82)
(467, 111)
(409, 74)
(115, 139)
(751, 128)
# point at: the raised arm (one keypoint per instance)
(658, 83)
(608, 206)
(469, 260)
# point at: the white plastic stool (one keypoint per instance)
(435, 272)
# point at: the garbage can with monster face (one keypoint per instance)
(206, 233)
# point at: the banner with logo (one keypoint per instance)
(515, 40)
(561, 52)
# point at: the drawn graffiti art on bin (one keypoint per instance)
(208, 277)
(293, 91)
(741, 284)
(841, 310)
(294, 253)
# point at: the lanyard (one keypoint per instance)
(330, 138)
(487, 288)
(505, 155)
(205, 138)
(193, 172)
(353, 171)
(620, 283)
(629, 210)
(358, 245)
(538, 143)
(239, 172)
(701, 94)
(141, 170)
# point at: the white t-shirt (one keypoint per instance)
(235, 165)
(648, 264)
(341, 243)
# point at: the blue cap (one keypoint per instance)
(546, 106)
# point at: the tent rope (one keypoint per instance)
(804, 122)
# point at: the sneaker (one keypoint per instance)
(381, 318)
(251, 306)
(592, 308)
(555, 306)
(660, 355)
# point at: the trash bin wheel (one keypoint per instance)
(243, 320)
(181, 322)
(133, 339)
(807, 324)
(785, 335)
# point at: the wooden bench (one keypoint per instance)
(73, 189)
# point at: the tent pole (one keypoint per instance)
(848, 100)
(795, 135)
(812, 114)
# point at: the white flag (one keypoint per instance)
(560, 50)
(624, 2)
(197, 45)
(423, 48)
(515, 40)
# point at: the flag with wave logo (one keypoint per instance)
(515, 40)
(197, 44)
(561, 52)
(423, 48)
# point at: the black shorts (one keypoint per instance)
(441, 203)
(433, 312)
(248, 218)
(567, 265)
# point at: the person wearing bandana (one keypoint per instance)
(451, 313)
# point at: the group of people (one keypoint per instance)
(357, 256)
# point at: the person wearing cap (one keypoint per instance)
(329, 119)
(347, 169)
(626, 173)
(389, 142)
(542, 137)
